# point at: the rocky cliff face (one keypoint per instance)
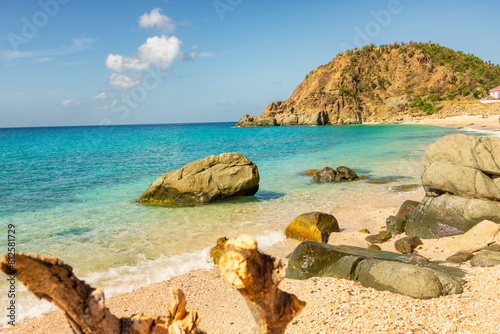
(384, 84)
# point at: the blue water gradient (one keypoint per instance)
(70, 191)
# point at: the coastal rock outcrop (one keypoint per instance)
(389, 83)
(313, 226)
(206, 180)
(461, 177)
(374, 268)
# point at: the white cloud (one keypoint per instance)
(122, 81)
(65, 102)
(43, 59)
(155, 19)
(77, 45)
(101, 96)
(160, 51)
(119, 63)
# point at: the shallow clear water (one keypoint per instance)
(70, 191)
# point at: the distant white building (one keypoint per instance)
(495, 92)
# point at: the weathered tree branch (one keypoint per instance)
(257, 277)
(49, 278)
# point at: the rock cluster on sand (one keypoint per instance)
(206, 180)
(461, 177)
(374, 268)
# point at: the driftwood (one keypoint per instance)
(257, 276)
(49, 278)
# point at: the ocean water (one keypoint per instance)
(70, 192)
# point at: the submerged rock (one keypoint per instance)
(206, 180)
(328, 174)
(313, 226)
(310, 172)
(342, 174)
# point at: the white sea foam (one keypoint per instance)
(486, 132)
(128, 278)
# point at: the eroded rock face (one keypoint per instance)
(461, 177)
(462, 165)
(206, 180)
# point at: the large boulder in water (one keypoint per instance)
(461, 177)
(206, 180)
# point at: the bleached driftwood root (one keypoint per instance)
(49, 278)
(257, 277)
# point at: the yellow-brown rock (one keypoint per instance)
(313, 226)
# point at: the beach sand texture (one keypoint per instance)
(333, 305)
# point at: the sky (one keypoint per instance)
(75, 62)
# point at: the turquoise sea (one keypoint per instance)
(70, 191)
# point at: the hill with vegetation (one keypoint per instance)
(386, 84)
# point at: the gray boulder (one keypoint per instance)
(206, 180)
(403, 278)
(313, 259)
(485, 258)
(448, 215)
(463, 165)
(374, 268)
(461, 177)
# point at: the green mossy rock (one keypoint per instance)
(328, 174)
(405, 187)
(217, 250)
(449, 215)
(206, 180)
(374, 247)
(313, 226)
(395, 225)
(379, 238)
(403, 278)
(313, 258)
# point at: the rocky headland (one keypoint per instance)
(386, 84)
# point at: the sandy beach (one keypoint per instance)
(333, 305)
